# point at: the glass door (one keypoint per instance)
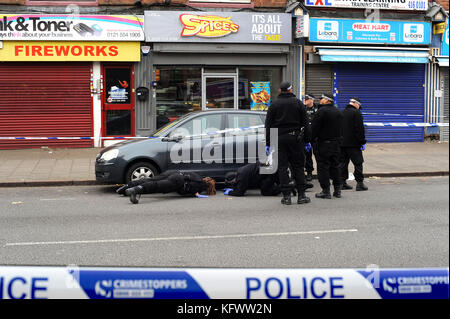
(118, 100)
(219, 90)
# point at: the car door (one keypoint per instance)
(200, 148)
(242, 139)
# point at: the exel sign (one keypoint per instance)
(371, 32)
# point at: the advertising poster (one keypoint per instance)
(260, 96)
(213, 27)
(63, 27)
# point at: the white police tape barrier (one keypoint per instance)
(212, 133)
(20, 282)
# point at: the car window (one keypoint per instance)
(199, 125)
(243, 120)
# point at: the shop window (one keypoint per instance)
(178, 91)
(258, 87)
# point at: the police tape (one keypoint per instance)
(35, 282)
(212, 133)
(407, 115)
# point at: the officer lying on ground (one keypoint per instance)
(248, 176)
(184, 183)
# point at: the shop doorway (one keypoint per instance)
(117, 100)
(219, 89)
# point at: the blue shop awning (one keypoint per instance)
(442, 60)
(373, 55)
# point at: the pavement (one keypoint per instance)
(76, 166)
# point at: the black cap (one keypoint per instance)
(356, 100)
(285, 86)
(309, 96)
(329, 97)
(230, 178)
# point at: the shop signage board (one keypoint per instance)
(70, 51)
(417, 5)
(214, 27)
(369, 32)
(32, 27)
(445, 41)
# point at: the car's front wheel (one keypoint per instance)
(140, 170)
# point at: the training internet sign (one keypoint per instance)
(418, 5)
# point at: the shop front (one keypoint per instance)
(66, 81)
(382, 62)
(220, 60)
(443, 61)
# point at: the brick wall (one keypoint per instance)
(257, 3)
(443, 3)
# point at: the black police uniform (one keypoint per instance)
(353, 138)
(310, 112)
(288, 115)
(327, 137)
(248, 176)
(184, 183)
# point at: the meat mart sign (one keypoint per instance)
(410, 5)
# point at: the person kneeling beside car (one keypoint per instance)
(185, 184)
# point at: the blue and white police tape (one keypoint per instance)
(20, 282)
(212, 133)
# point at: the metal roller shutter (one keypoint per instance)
(387, 88)
(319, 79)
(444, 130)
(45, 100)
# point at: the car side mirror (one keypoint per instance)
(176, 138)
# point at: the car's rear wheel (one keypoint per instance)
(140, 170)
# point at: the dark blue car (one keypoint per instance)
(210, 143)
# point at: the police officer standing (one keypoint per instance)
(288, 115)
(327, 135)
(353, 144)
(311, 109)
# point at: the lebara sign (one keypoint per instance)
(362, 31)
(229, 27)
(420, 5)
(445, 40)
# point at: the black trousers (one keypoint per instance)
(290, 153)
(309, 166)
(353, 154)
(327, 157)
(166, 184)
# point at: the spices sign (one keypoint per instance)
(225, 27)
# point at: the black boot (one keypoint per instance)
(121, 190)
(346, 186)
(302, 198)
(308, 185)
(309, 177)
(360, 186)
(134, 193)
(286, 200)
(325, 193)
(337, 191)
